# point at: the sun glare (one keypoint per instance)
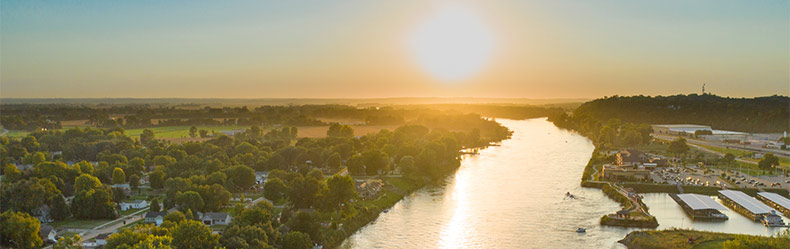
(452, 45)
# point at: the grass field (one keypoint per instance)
(679, 238)
(75, 223)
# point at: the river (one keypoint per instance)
(513, 196)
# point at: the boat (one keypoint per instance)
(386, 210)
(772, 220)
(581, 230)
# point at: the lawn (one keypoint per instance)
(75, 223)
(131, 211)
(180, 131)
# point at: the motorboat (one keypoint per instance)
(581, 230)
(772, 220)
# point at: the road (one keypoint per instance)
(777, 152)
(111, 226)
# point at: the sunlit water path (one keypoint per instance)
(513, 196)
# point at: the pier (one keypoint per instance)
(744, 204)
(776, 201)
(700, 207)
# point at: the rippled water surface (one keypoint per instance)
(513, 196)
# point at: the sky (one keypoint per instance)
(365, 49)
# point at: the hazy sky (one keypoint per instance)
(259, 49)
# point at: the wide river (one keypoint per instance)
(513, 196)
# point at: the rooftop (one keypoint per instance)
(682, 126)
(700, 202)
(155, 214)
(776, 198)
(754, 206)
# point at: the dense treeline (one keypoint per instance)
(762, 114)
(201, 176)
(34, 117)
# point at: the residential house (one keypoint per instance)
(210, 218)
(261, 176)
(155, 217)
(368, 189)
(136, 204)
(47, 233)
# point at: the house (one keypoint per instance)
(155, 217)
(47, 233)
(210, 218)
(628, 173)
(261, 176)
(42, 213)
(101, 239)
(136, 204)
(629, 157)
(368, 189)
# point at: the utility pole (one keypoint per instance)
(703, 88)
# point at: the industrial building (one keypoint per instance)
(776, 201)
(700, 207)
(745, 204)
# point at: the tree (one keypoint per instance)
(297, 240)
(338, 130)
(19, 230)
(193, 131)
(192, 234)
(407, 166)
(356, 165)
(86, 182)
(258, 215)
(155, 206)
(203, 133)
(190, 200)
(374, 160)
(729, 158)
(175, 217)
(134, 181)
(11, 173)
(334, 162)
(678, 146)
(69, 242)
(245, 237)
(341, 190)
(94, 204)
(274, 189)
(215, 197)
(304, 190)
(240, 178)
(157, 179)
(60, 210)
(769, 162)
(147, 137)
(118, 177)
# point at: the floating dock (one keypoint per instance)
(776, 201)
(745, 204)
(700, 207)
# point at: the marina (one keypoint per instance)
(745, 204)
(700, 207)
(776, 201)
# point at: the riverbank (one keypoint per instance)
(682, 238)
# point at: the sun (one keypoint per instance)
(452, 45)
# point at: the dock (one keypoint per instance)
(776, 201)
(700, 207)
(745, 204)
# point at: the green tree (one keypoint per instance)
(155, 206)
(19, 230)
(729, 159)
(134, 181)
(147, 137)
(356, 165)
(304, 190)
(678, 146)
(240, 178)
(60, 210)
(297, 240)
(203, 133)
(157, 179)
(341, 190)
(245, 237)
(192, 234)
(11, 173)
(175, 217)
(190, 200)
(338, 130)
(274, 189)
(86, 182)
(407, 166)
(769, 162)
(69, 242)
(193, 131)
(374, 160)
(118, 177)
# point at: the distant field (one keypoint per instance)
(180, 134)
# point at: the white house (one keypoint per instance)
(155, 217)
(216, 218)
(136, 204)
(261, 176)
